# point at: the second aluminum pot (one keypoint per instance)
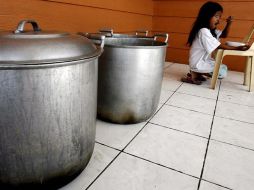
(129, 79)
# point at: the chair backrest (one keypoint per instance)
(248, 37)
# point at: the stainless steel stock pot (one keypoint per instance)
(48, 99)
(129, 79)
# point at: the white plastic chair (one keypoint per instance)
(249, 68)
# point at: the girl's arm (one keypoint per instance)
(225, 32)
(226, 47)
(241, 48)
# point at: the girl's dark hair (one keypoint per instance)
(206, 12)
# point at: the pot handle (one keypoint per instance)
(21, 26)
(142, 32)
(108, 32)
(165, 35)
(96, 38)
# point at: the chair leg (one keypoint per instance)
(251, 81)
(216, 68)
(247, 72)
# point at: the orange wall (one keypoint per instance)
(78, 15)
(177, 16)
(172, 16)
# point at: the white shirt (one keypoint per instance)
(204, 44)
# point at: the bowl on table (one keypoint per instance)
(235, 44)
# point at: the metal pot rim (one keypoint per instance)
(59, 63)
(135, 43)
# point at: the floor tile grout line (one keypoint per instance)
(192, 134)
(238, 146)
(208, 142)
(155, 163)
(164, 102)
(186, 93)
(108, 146)
(105, 167)
(188, 109)
(217, 184)
(103, 171)
(236, 103)
(235, 91)
(135, 136)
(234, 119)
(168, 90)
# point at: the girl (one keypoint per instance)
(204, 40)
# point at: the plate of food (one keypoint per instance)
(235, 44)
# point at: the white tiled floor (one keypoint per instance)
(199, 139)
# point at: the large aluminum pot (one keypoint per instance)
(130, 78)
(48, 99)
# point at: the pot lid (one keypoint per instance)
(42, 47)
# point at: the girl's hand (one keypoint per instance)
(243, 48)
(229, 19)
